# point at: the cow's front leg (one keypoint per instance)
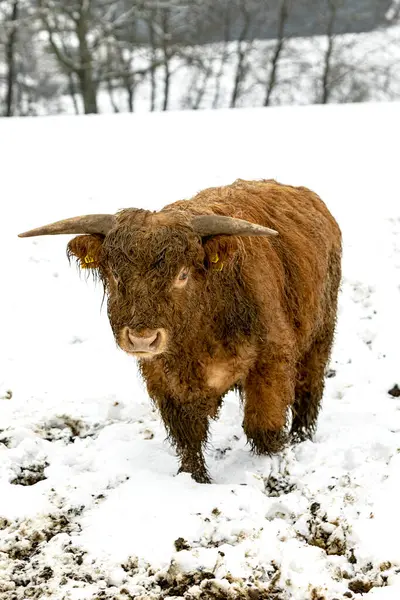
(187, 428)
(268, 392)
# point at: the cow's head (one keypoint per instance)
(153, 266)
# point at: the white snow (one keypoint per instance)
(102, 519)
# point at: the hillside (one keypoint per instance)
(90, 504)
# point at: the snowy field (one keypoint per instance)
(90, 504)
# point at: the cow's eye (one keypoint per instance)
(182, 277)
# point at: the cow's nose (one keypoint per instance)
(147, 341)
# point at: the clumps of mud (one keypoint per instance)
(204, 585)
(181, 544)
(330, 373)
(278, 485)
(38, 559)
(25, 538)
(31, 474)
(394, 391)
(369, 576)
(37, 556)
(330, 536)
(185, 581)
(66, 429)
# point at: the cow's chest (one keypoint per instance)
(195, 378)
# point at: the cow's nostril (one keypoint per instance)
(135, 339)
(156, 342)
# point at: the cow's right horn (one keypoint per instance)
(101, 224)
(208, 225)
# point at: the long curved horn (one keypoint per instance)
(84, 224)
(218, 225)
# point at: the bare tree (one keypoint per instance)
(152, 24)
(199, 64)
(24, 85)
(167, 54)
(280, 40)
(72, 91)
(327, 59)
(10, 57)
(224, 55)
(74, 19)
(243, 46)
(126, 58)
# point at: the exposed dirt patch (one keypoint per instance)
(358, 586)
(30, 475)
(329, 536)
(317, 595)
(181, 544)
(204, 586)
(25, 538)
(27, 550)
(200, 584)
(66, 429)
(278, 485)
(31, 571)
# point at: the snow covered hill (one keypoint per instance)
(90, 504)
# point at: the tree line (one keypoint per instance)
(90, 56)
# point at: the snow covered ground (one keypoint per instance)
(90, 504)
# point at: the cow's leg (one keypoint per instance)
(268, 392)
(311, 368)
(187, 428)
(310, 385)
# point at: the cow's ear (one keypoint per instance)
(220, 251)
(87, 250)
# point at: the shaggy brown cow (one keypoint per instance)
(235, 289)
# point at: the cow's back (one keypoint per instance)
(292, 271)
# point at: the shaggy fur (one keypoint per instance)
(257, 314)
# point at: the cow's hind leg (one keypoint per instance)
(187, 428)
(310, 386)
(268, 392)
(310, 378)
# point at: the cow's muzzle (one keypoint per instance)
(144, 343)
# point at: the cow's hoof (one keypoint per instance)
(200, 476)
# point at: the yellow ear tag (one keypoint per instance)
(214, 260)
(86, 262)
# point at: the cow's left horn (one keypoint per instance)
(206, 225)
(84, 224)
